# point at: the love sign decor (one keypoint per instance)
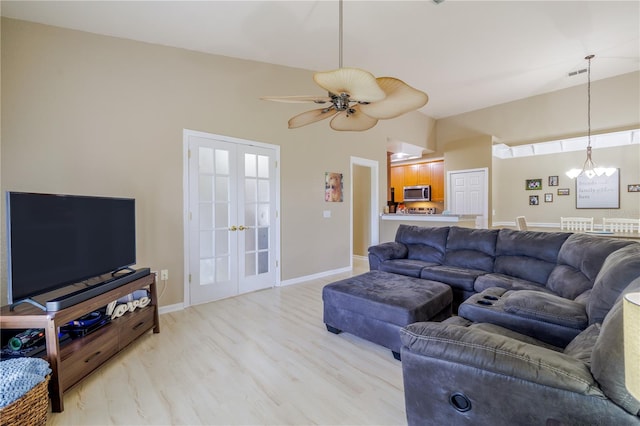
(116, 309)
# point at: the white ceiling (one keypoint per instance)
(466, 55)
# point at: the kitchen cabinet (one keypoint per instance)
(437, 180)
(411, 175)
(397, 182)
(431, 173)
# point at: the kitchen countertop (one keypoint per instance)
(453, 218)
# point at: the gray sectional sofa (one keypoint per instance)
(537, 338)
(537, 283)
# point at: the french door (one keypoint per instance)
(232, 217)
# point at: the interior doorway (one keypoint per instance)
(365, 223)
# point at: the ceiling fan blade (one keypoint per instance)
(310, 117)
(297, 99)
(359, 84)
(355, 121)
(401, 98)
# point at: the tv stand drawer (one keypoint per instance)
(88, 357)
(134, 324)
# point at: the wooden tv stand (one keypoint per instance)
(76, 358)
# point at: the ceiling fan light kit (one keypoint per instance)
(356, 98)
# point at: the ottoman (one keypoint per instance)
(377, 304)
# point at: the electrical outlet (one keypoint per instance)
(164, 274)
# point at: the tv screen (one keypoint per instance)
(58, 240)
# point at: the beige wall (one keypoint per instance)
(615, 105)
(88, 114)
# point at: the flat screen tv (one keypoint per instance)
(56, 240)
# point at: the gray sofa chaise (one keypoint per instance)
(461, 373)
(537, 283)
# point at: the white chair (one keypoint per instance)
(521, 222)
(581, 224)
(620, 225)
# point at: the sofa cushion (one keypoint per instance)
(408, 267)
(471, 248)
(528, 255)
(460, 278)
(486, 281)
(426, 244)
(618, 271)
(607, 360)
(579, 260)
(547, 308)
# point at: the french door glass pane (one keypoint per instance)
(249, 264)
(206, 244)
(222, 162)
(263, 166)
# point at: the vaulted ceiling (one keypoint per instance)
(466, 55)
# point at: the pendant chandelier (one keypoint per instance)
(589, 168)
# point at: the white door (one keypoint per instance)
(468, 194)
(232, 218)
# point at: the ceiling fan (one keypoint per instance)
(356, 98)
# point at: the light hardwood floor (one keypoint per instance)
(263, 358)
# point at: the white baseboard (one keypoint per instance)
(170, 308)
(299, 280)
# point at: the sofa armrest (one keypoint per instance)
(499, 355)
(386, 251)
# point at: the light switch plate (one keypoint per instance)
(326, 213)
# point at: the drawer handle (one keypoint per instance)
(138, 325)
(93, 356)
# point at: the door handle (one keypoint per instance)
(233, 228)
(242, 227)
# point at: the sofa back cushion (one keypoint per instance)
(607, 358)
(426, 244)
(471, 248)
(619, 269)
(527, 254)
(579, 261)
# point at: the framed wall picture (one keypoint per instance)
(548, 197)
(599, 192)
(534, 200)
(533, 184)
(633, 187)
(563, 191)
(553, 180)
(333, 187)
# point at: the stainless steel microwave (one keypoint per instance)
(417, 193)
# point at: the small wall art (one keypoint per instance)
(633, 187)
(548, 197)
(333, 187)
(533, 184)
(533, 200)
(563, 191)
(553, 180)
